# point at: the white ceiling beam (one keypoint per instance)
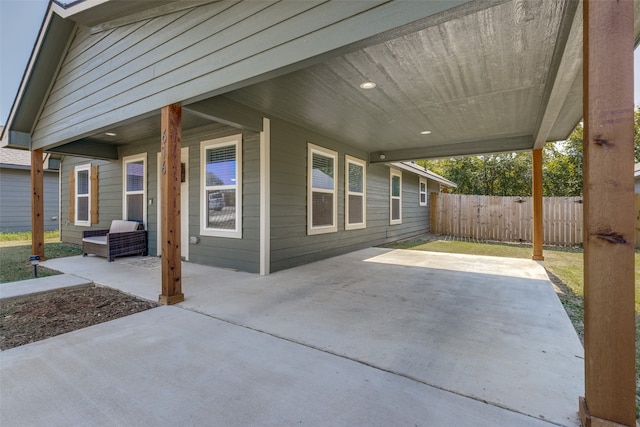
(511, 144)
(223, 110)
(568, 57)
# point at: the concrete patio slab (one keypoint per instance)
(483, 329)
(168, 366)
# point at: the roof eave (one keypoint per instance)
(97, 12)
(46, 55)
(418, 170)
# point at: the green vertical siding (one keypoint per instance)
(109, 196)
(290, 244)
(242, 254)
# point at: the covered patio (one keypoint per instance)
(453, 78)
(375, 337)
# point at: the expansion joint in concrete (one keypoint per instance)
(365, 363)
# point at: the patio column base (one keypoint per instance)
(589, 421)
(169, 300)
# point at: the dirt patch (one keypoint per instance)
(32, 318)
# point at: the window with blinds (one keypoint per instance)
(221, 187)
(82, 195)
(135, 178)
(355, 190)
(423, 191)
(395, 197)
(321, 201)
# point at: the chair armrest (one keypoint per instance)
(94, 233)
(127, 236)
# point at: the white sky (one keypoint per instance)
(20, 21)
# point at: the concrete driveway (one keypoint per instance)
(377, 337)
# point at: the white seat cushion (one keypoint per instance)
(99, 240)
(121, 226)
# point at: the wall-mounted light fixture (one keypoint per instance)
(382, 156)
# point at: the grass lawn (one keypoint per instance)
(15, 249)
(564, 266)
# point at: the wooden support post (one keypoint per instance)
(538, 231)
(170, 172)
(37, 204)
(609, 312)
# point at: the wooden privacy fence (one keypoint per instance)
(506, 218)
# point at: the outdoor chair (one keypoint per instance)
(123, 238)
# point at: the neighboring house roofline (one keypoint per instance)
(11, 158)
(419, 170)
(26, 168)
(12, 166)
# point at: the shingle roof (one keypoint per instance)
(10, 156)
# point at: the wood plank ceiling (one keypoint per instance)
(481, 77)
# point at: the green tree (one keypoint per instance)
(562, 166)
(509, 174)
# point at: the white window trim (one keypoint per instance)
(215, 143)
(347, 160)
(425, 192)
(129, 159)
(76, 221)
(392, 173)
(311, 149)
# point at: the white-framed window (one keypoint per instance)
(423, 191)
(134, 183)
(355, 190)
(322, 209)
(82, 195)
(395, 197)
(221, 187)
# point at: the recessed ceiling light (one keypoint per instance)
(110, 133)
(367, 85)
(425, 132)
